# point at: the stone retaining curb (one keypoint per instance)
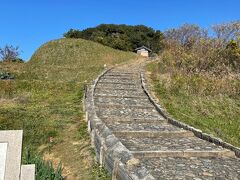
(110, 152)
(177, 123)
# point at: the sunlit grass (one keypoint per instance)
(207, 102)
(45, 99)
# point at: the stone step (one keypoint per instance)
(123, 86)
(200, 168)
(135, 127)
(152, 134)
(120, 83)
(168, 143)
(119, 75)
(119, 96)
(127, 112)
(114, 92)
(133, 118)
(114, 119)
(120, 90)
(117, 81)
(184, 153)
(122, 72)
(112, 88)
(104, 105)
(112, 77)
(123, 101)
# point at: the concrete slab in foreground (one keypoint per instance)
(3, 155)
(10, 155)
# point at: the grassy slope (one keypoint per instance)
(209, 103)
(45, 100)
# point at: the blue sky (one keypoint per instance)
(28, 24)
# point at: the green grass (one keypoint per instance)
(206, 102)
(45, 99)
(44, 169)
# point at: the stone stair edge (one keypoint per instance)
(184, 153)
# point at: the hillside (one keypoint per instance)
(74, 59)
(45, 100)
(197, 78)
(203, 100)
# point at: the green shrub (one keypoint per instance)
(6, 75)
(232, 54)
(18, 60)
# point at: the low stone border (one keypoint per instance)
(177, 123)
(110, 152)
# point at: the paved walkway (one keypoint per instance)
(167, 151)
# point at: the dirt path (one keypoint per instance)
(75, 154)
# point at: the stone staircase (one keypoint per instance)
(165, 150)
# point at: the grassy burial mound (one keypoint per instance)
(45, 98)
(74, 60)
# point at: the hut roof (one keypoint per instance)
(143, 47)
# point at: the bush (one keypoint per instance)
(72, 34)
(18, 60)
(190, 49)
(6, 75)
(123, 37)
(232, 54)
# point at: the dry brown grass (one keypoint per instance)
(206, 97)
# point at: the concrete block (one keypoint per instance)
(28, 172)
(13, 154)
(3, 157)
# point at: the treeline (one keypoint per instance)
(188, 47)
(194, 49)
(123, 37)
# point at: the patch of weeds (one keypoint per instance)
(83, 132)
(44, 169)
(99, 173)
(6, 75)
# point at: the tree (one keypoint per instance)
(186, 35)
(9, 53)
(232, 53)
(227, 31)
(123, 37)
(72, 33)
